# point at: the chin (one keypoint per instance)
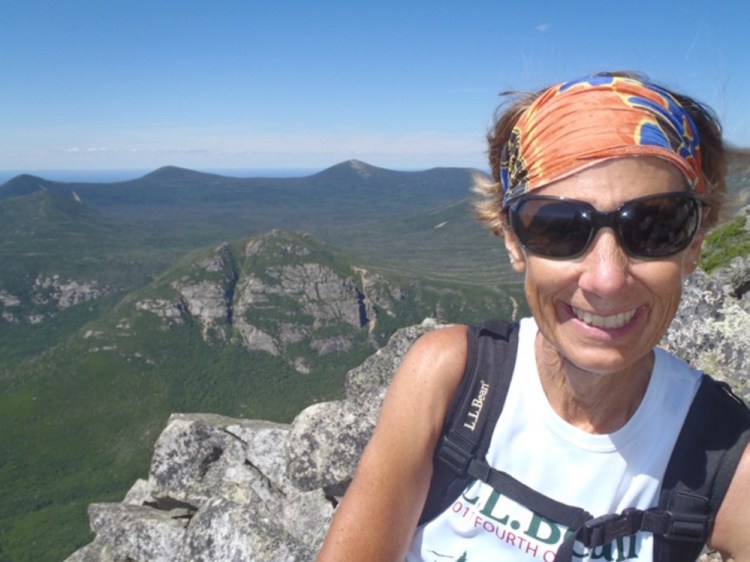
(604, 362)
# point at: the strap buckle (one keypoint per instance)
(603, 530)
(675, 525)
(689, 527)
(454, 455)
(687, 517)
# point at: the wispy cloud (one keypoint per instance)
(75, 149)
(542, 27)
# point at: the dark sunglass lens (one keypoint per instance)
(551, 227)
(659, 227)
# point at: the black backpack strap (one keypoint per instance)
(476, 405)
(709, 448)
(567, 515)
(711, 443)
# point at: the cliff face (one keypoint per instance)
(288, 297)
(228, 489)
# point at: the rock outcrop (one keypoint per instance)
(231, 489)
(272, 294)
(49, 295)
(712, 327)
(224, 489)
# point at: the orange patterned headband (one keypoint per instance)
(578, 124)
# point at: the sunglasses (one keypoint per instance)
(656, 226)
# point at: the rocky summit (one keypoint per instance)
(233, 489)
(222, 489)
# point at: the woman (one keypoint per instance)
(605, 189)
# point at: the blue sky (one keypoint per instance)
(222, 84)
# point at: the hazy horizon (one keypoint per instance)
(124, 174)
(117, 175)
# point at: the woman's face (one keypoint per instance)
(606, 310)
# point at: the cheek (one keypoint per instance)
(673, 291)
(663, 282)
(545, 282)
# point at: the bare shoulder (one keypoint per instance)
(730, 535)
(445, 342)
(434, 367)
(448, 346)
(379, 513)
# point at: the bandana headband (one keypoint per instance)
(580, 123)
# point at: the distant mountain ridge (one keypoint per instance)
(738, 160)
(445, 184)
(341, 190)
(171, 173)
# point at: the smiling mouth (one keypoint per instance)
(608, 322)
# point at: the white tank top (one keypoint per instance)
(600, 473)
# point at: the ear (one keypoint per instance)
(693, 254)
(515, 251)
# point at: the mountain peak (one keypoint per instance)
(359, 166)
(23, 185)
(169, 172)
(175, 173)
(353, 169)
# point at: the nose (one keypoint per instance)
(605, 266)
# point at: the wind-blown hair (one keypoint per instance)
(488, 203)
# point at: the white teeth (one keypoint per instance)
(608, 322)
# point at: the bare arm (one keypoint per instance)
(379, 513)
(731, 534)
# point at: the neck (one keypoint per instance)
(594, 402)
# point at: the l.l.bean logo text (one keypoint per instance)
(530, 533)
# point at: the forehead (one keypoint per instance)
(608, 184)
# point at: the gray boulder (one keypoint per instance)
(224, 489)
(711, 330)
